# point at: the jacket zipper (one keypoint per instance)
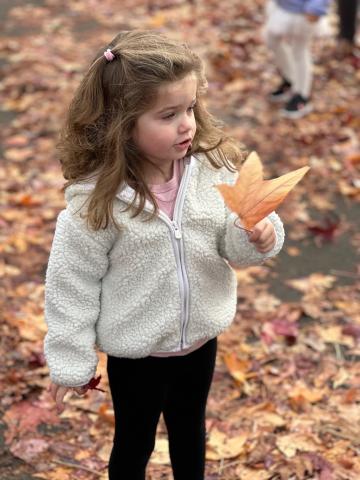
(176, 239)
(178, 217)
(178, 247)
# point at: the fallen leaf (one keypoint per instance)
(160, 455)
(311, 395)
(293, 251)
(221, 446)
(238, 368)
(245, 473)
(327, 229)
(293, 442)
(315, 281)
(341, 378)
(334, 334)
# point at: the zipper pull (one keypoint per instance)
(177, 231)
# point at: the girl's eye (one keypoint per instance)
(172, 115)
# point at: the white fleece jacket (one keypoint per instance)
(158, 285)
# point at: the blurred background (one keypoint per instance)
(285, 398)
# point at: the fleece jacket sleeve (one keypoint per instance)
(234, 243)
(237, 249)
(78, 261)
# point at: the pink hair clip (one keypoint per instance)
(109, 55)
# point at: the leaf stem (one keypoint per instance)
(241, 227)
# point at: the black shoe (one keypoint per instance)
(282, 93)
(297, 107)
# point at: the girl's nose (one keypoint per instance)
(185, 124)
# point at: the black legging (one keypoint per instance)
(143, 388)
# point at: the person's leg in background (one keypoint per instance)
(300, 46)
(184, 410)
(299, 105)
(347, 10)
(303, 67)
(138, 392)
(284, 62)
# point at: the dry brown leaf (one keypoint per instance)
(341, 378)
(311, 395)
(238, 368)
(160, 455)
(245, 473)
(314, 282)
(253, 198)
(220, 446)
(105, 451)
(106, 414)
(293, 442)
(333, 334)
(264, 419)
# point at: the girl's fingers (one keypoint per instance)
(60, 394)
(259, 230)
(255, 235)
(268, 245)
(263, 236)
(80, 390)
(265, 249)
(268, 238)
(266, 241)
(53, 390)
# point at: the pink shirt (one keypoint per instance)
(165, 194)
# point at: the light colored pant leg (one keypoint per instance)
(302, 66)
(283, 55)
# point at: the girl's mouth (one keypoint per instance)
(183, 145)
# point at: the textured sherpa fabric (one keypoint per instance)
(121, 291)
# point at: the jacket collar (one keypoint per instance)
(127, 193)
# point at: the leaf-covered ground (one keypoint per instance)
(285, 402)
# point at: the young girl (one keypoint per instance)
(289, 29)
(140, 262)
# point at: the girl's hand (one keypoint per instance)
(311, 18)
(263, 236)
(58, 393)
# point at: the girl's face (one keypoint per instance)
(164, 132)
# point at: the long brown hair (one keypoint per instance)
(96, 141)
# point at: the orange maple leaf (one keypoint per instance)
(253, 198)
